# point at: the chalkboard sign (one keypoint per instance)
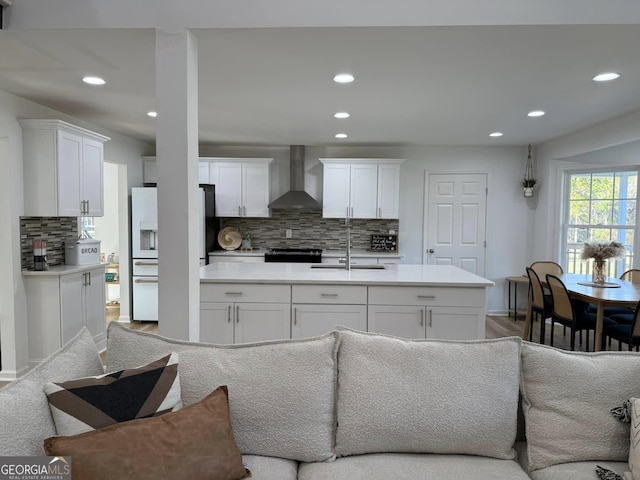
(384, 243)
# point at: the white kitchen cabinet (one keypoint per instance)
(236, 257)
(63, 169)
(60, 304)
(427, 312)
(317, 309)
(239, 313)
(242, 186)
(150, 171)
(361, 188)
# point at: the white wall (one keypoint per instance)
(121, 149)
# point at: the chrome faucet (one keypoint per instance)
(347, 259)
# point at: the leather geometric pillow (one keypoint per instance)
(91, 403)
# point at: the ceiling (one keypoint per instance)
(440, 85)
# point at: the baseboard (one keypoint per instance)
(124, 319)
(498, 313)
(11, 375)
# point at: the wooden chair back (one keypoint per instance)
(562, 306)
(632, 276)
(535, 289)
(544, 268)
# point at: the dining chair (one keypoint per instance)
(625, 333)
(570, 312)
(544, 267)
(540, 303)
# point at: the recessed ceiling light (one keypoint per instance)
(343, 78)
(94, 80)
(496, 134)
(535, 113)
(341, 135)
(152, 114)
(606, 77)
(342, 115)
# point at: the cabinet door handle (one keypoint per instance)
(422, 317)
(430, 318)
(351, 216)
(88, 284)
(146, 280)
(244, 211)
(87, 211)
(295, 316)
(347, 215)
(239, 211)
(233, 293)
(228, 313)
(329, 294)
(146, 264)
(237, 313)
(427, 297)
(379, 212)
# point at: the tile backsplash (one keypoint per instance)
(309, 230)
(55, 230)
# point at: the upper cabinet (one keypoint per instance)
(150, 171)
(242, 186)
(63, 174)
(360, 188)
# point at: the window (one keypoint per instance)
(600, 206)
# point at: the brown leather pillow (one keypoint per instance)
(195, 442)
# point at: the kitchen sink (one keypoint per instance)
(343, 267)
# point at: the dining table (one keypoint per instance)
(613, 293)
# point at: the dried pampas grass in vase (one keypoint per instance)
(600, 252)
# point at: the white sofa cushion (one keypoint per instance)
(270, 468)
(281, 393)
(577, 470)
(567, 398)
(386, 466)
(25, 417)
(634, 443)
(427, 396)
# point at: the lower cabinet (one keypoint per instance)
(59, 305)
(244, 322)
(427, 312)
(240, 313)
(309, 320)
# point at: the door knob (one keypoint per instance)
(431, 250)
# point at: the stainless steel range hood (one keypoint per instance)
(296, 198)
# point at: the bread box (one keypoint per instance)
(84, 251)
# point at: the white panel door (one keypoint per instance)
(255, 190)
(364, 191)
(228, 181)
(92, 176)
(69, 174)
(455, 225)
(216, 323)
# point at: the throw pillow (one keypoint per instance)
(25, 417)
(634, 444)
(90, 403)
(195, 442)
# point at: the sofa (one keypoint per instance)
(355, 405)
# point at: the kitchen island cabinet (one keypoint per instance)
(61, 301)
(410, 301)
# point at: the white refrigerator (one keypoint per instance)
(144, 246)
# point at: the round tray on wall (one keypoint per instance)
(229, 238)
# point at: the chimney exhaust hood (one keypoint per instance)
(296, 198)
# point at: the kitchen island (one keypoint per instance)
(250, 302)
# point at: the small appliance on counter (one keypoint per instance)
(294, 255)
(40, 255)
(84, 251)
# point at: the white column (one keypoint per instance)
(177, 157)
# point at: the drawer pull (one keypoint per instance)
(427, 297)
(430, 318)
(233, 293)
(295, 316)
(237, 313)
(229, 314)
(422, 317)
(146, 264)
(328, 294)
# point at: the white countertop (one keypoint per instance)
(259, 252)
(302, 273)
(61, 270)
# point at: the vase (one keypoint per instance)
(599, 274)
